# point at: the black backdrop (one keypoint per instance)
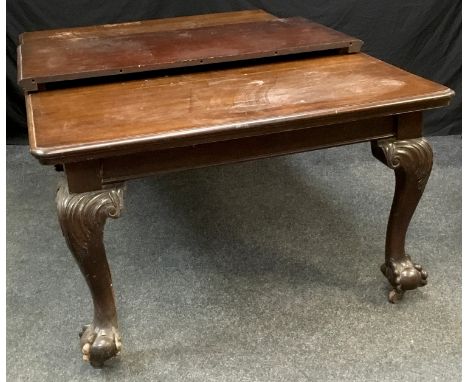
(421, 36)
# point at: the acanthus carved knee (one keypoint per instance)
(412, 156)
(83, 216)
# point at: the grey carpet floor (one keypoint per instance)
(260, 271)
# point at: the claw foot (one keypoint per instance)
(403, 275)
(99, 344)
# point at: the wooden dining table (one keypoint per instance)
(117, 102)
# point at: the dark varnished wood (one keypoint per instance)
(412, 162)
(61, 59)
(145, 26)
(82, 218)
(107, 133)
(120, 118)
(84, 176)
(409, 125)
(149, 163)
(96, 173)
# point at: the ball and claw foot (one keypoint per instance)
(403, 275)
(99, 344)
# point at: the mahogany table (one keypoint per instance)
(111, 128)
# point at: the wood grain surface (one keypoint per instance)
(145, 26)
(215, 105)
(70, 58)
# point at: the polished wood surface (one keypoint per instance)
(120, 168)
(94, 174)
(145, 26)
(136, 27)
(107, 119)
(412, 162)
(70, 58)
(82, 218)
(109, 132)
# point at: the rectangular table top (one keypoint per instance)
(108, 119)
(67, 57)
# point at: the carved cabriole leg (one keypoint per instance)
(412, 161)
(82, 218)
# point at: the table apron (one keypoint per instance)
(131, 166)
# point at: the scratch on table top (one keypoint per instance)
(256, 82)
